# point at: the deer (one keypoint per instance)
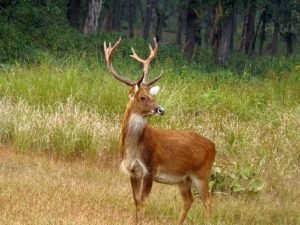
(150, 154)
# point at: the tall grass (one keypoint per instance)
(67, 130)
(73, 108)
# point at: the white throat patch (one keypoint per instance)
(136, 124)
(132, 163)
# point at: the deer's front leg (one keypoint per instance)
(141, 188)
(136, 184)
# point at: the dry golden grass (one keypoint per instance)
(42, 190)
(45, 190)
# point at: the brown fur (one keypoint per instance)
(166, 156)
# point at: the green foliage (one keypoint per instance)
(37, 33)
(25, 27)
(236, 180)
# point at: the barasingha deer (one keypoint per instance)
(164, 156)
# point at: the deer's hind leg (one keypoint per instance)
(201, 183)
(187, 197)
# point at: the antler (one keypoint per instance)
(109, 51)
(146, 62)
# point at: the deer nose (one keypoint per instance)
(160, 111)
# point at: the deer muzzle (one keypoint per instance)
(159, 111)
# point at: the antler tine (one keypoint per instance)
(146, 62)
(135, 56)
(153, 52)
(108, 51)
(154, 80)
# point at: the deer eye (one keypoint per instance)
(143, 98)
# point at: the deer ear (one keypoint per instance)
(154, 90)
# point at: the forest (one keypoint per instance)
(230, 73)
(222, 31)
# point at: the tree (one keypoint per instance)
(116, 15)
(286, 30)
(276, 26)
(208, 24)
(73, 12)
(181, 20)
(162, 15)
(262, 36)
(247, 39)
(222, 31)
(91, 21)
(131, 16)
(190, 40)
(148, 18)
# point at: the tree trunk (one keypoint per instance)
(286, 31)
(248, 29)
(276, 29)
(209, 25)
(140, 6)
(222, 53)
(131, 16)
(262, 36)
(275, 38)
(73, 12)
(190, 40)
(91, 21)
(180, 24)
(234, 28)
(108, 21)
(289, 45)
(289, 34)
(148, 18)
(116, 15)
(160, 16)
(252, 45)
(242, 41)
(222, 33)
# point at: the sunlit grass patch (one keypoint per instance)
(67, 129)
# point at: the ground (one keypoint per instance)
(48, 190)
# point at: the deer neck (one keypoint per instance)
(133, 129)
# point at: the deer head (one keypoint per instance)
(141, 94)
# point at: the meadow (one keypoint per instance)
(59, 133)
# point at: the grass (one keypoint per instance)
(44, 190)
(72, 110)
(68, 130)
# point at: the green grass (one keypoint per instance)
(73, 109)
